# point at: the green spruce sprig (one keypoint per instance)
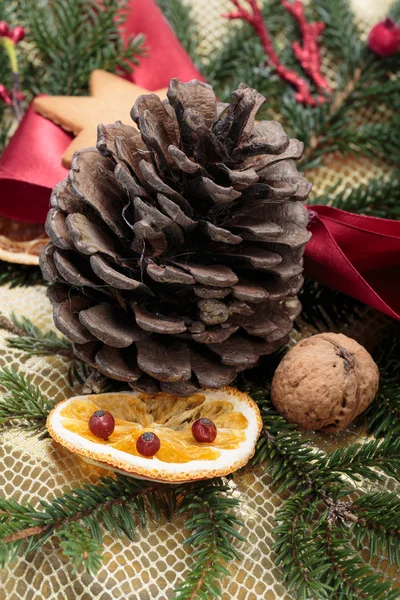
(180, 17)
(212, 526)
(32, 340)
(22, 403)
(77, 518)
(13, 274)
(70, 38)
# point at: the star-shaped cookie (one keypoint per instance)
(111, 99)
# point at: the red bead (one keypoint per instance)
(4, 29)
(148, 444)
(204, 430)
(17, 34)
(102, 424)
(384, 38)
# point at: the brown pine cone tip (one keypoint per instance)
(176, 251)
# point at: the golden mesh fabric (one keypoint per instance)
(151, 566)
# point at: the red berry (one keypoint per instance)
(17, 34)
(20, 96)
(204, 431)
(148, 444)
(102, 424)
(384, 38)
(4, 29)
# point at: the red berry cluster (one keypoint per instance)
(102, 425)
(15, 35)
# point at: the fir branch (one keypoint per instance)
(32, 340)
(371, 139)
(349, 575)
(212, 530)
(70, 38)
(327, 121)
(361, 460)
(341, 35)
(315, 544)
(78, 544)
(300, 559)
(394, 11)
(378, 523)
(22, 403)
(182, 21)
(19, 275)
(308, 547)
(75, 518)
(5, 131)
(383, 414)
(8, 12)
(288, 456)
(325, 309)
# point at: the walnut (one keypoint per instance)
(324, 382)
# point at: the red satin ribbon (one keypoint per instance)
(357, 255)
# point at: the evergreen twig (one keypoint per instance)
(73, 37)
(325, 309)
(32, 340)
(75, 518)
(212, 528)
(22, 404)
(18, 275)
(181, 19)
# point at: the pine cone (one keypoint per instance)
(176, 252)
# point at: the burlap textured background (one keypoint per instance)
(152, 566)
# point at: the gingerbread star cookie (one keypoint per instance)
(111, 99)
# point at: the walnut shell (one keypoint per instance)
(324, 382)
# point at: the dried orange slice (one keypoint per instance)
(180, 457)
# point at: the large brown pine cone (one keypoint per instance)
(176, 251)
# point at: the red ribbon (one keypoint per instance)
(357, 255)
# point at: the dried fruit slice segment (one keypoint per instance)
(180, 457)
